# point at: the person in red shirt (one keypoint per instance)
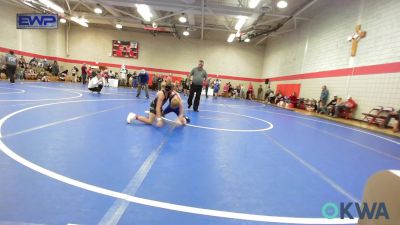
(349, 104)
(250, 91)
(84, 73)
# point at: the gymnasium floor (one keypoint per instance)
(68, 157)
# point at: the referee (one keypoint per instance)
(197, 76)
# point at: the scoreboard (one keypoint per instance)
(125, 49)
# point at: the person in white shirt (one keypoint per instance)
(96, 83)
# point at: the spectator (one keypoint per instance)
(259, 92)
(198, 74)
(55, 69)
(134, 80)
(11, 65)
(324, 96)
(123, 75)
(267, 92)
(33, 61)
(344, 106)
(185, 86)
(293, 99)
(154, 83)
(207, 85)
(391, 115)
(250, 92)
(217, 85)
(143, 83)
(84, 73)
(329, 108)
(74, 71)
(22, 62)
(242, 92)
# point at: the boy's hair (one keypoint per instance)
(175, 103)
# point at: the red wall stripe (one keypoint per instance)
(356, 71)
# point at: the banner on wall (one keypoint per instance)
(37, 21)
(125, 49)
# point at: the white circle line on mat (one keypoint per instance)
(149, 202)
(18, 91)
(231, 130)
(79, 95)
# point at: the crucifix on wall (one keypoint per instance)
(355, 38)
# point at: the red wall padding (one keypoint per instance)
(288, 89)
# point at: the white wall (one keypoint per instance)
(321, 45)
(24, 40)
(168, 52)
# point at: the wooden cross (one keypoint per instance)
(355, 38)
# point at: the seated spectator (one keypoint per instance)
(270, 98)
(63, 75)
(391, 115)
(95, 84)
(44, 78)
(250, 92)
(226, 90)
(344, 106)
(268, 90)
(30, 74)
(278, 98)
(329, 109)
(311, 105)
(293, 100)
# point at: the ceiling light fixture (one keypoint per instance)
(247, 40)
(231, 38)
(282, 4)
(52, 5)
(98, 10)
(253, 3)
(186, 33)
(182, 19)
(240, 22)
(144, 11)
(118, 26)
(63, 20)
(81, 21)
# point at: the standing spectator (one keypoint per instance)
(84, 73)
(250, 92)
(11, 65)
(207, 85)
(154, 83)
(217, 85)
(55, 69)
(134, 80)
(259, 92)
(198, 74)
(143, 83)
(184, 86)
(242, 92)
(123, 75)
(324, 96)
(74, 71)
